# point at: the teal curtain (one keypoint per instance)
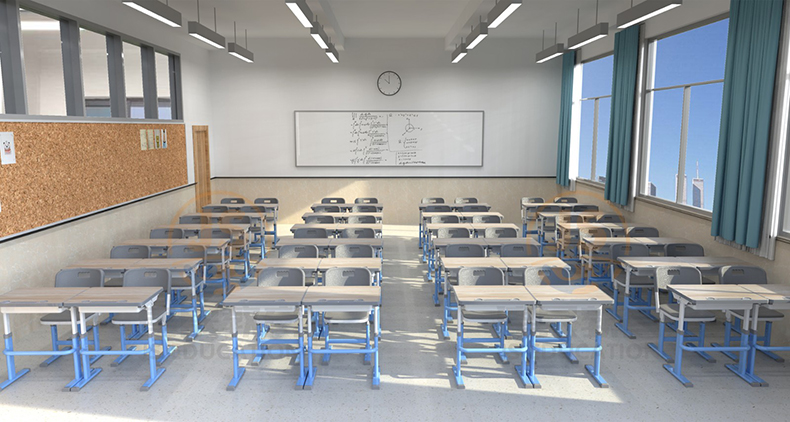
(618, 165)
(749, 77)
(566, 107)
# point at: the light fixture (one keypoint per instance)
(239, 52)
(644, 11)
(318, 34)
(501, 11)
(40, 25)
(332, 53)
(479, 33)
(301, 11)
(460, 52)
(203, 33)
(157, 10)
(600, 30)
(555, 50)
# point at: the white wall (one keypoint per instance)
(254, 104)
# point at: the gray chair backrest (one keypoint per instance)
(628, 249)
(445, 219)
(532, 200)
(253, 208)
(465, 200)
(544, 275)
(666, 276)
(642, 232)
(486, 219)
(742, 274)
(595, 232)
(147, 277)
(267, 201)
(566, 200)
(364, 208)
(320, 219)
(271, 277)
(585, 208)
(474, 208)
(438, 208)
(80, 277)
(232, 201)
(167, 234)
(684, 249)
(500, 232)
(194, 219)
(311, 233)
(354, 251)
(550, 208)
(481, 276)
(465, 251)
(212, 233)
(366, 201)
(519, 251)
(187, 251)
(348, 277)
(235, 219)
(298, 251)
(610, 218)
(358, 233)
(130, 252)
(362, 219)
(432, 201)
(215, 208)
(447, 232)
(569, 218)
(327, 208)
(333, 201)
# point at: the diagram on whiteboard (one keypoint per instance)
(391, 138)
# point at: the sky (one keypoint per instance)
(693, 56)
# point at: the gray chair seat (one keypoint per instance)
(635, 280)
(276, 317)
(61, 318)
(485, 317)
(346, 317)
(182, 283)
(139, 317)
(691, 315)
(543, 315)
(764, 315)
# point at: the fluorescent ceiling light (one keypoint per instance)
(206, 35)
(301, 11)
(459, 53)
(644, 11)
(589, 35)
(555, 50)
(157, 10)
(479, 33)
(318, 34)
(240, 52)
(501, 11)
(332, 53)
(40, 25)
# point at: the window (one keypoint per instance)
(163, 86)
(133, 70)
(683, 109)
(95, 74)
(596, 104)
(43, 57)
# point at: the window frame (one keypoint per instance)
(596, 113)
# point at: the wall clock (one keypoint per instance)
(389, 83)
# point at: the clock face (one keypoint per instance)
(389, 83)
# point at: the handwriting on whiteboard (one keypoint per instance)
(388, 138)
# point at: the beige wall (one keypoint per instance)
(399, 195)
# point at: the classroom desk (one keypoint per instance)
(116, 301)
(372, 264)
(492, 299)
(529, 214)
(778, 297)
(454, 207)
(365, 299)
(546, 222)
(330, 243)
(269, 299)
(307, 264)
(348, 206)
(590, 246)
(465, 217)
(567, 234)
(479, 229)
(240, 231)
(270, 208)
(430, 230)
(336, 228)
(718, 297)
(342, 217)
(272, 211)
(218, 246)
(258, 227)
(42, 300)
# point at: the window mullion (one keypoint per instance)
(594, 141)
(680, 179)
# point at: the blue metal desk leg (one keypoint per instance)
(13, 375)
(88, 373)
(155, 372)
(676, 370)
(237, 371)
(376, 379)
(595, 369)
(459, 344)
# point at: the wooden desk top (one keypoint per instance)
(337, 226)
(232, 227)
(453, 205)
(583, 214)
(499, 241)
(470, 214)
(266, 295)
(491, 261)
(115, 296)
(577, 226)
(105, 264)
(378, 215)
(39, 296)
(703, 263)
(569, 294)
(375, 242)
(238, 206)
(483, 226)
(348, 205)
(343, 295)
(774, 293)
(536, 205)
(369, 263)
(544, 261)
(304, 263)
(446, 241)
(286, 241)
(437, 226)
(195, 241)
(493, 295)
(175, 264)
(647, 241)
(253, 215)
(716, 292)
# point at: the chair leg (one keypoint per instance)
(659, 349)
(701, 343)
(767, 343)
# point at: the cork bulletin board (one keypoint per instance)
(64, 170)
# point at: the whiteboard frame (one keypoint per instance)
(482, 141)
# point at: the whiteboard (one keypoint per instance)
(389, 138)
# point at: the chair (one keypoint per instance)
(684, 249)
(665, 277)
(462, 251)
(361, 219)
(532, 200)
(326, 208)
(366, 201)
(610, 218)
(320, 219)
(194, 219)
(166, 233)
(234, 201)
(235, 219)
(631, 284)
(298, 251)
(272, 219)
(354, 251)
(438, 208)
(76, 277)
(181, 284)
(474, 208)
(432, 201)
(566, 200)
(568, 218)
(500, 232)
(445, 219)
(267, 201)
(482, 276)
(126, 252)
(453, 232)
(253, 209)
(584, 208)
(515, 276)
(364, 208)
(333, 201)
(358, 233)
(465, 200)
(215, 208)
(311, 233)
(748, 275)
(544, 275)
(221, 261)
(486, 219)
(146, 277)
(347, 277)
(526, 217)
(597, 259)
(642, 232)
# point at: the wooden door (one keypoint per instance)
(202, 166)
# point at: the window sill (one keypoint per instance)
(81, 119)
(683, 209)
(590, 183)
(784, 238)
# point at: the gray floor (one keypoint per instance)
(415, 382)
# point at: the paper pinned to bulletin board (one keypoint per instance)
(143, 140)
(150, 133)
(7, 149)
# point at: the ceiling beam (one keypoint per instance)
(461, 27)
(330, 20)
